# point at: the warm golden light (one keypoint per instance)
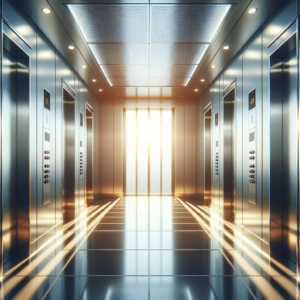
(71, 47)
(252, 10)
(46, 10)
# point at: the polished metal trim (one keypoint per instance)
(16, 32)
(68, 88)
(207, 107)
(89, 107)
(228, 89)
(282, 32)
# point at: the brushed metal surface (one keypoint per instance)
(283, 154)
(64, 71)
(45, 80)
(15, 151)
(89, 155)
(252, 79)
(208, 157)
(69, 155)
(228, 154)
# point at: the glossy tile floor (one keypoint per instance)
(139, 248)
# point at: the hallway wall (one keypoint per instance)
(47, 69)
(250, 70)
(111, 117)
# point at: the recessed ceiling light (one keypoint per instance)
(94, 80)
(100, 90)
(252, 10)
(196, 90)
(213, 66)
(46, 10)
(202, 80)
(83, 66)
(226, 47)
(71, 47)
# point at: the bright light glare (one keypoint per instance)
(252, 10)
(46, 10)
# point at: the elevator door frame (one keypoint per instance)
(208, 163)
(172, 109)
(89, 159)
(275, 187)
(68, 205)
(229, 215)
(23, 135)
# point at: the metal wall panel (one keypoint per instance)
(250, 69)
(45, 80)
(252, 79)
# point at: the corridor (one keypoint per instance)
(140, 248)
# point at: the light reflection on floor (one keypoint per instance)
(149, 248)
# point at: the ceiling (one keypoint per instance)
(148, 45)
(166, 44)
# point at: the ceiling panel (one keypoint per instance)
(112, 22)
(168, 81)
(177, 54)
(139, 81)
(118, 71)
(184, 23)
(122, 54)
(172, 71)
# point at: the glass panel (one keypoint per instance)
(130, 151)
(154, 133)
(166, 152)
(143, 138)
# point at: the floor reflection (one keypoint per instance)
(149, 248)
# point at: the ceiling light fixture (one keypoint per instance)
(94, 80)
(196, 90)
(252, 10)
(100, 90)
(71, 47)
(226, 47)
(83, 66)
(46, 10)
(213, 66)
(202, 80)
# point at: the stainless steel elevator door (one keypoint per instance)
(289, 155)
(9, 156)
(89, 155)
(207, 162)
(229, 152)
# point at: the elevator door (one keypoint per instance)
(9, 156)
(289, 180)
(228, 153)
(284, 151)
(15, 151)
(207, 161)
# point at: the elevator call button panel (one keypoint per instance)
(217, 160)
(46, 167)
(81, 163)
(252, 152)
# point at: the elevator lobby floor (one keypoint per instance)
(154, 248)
